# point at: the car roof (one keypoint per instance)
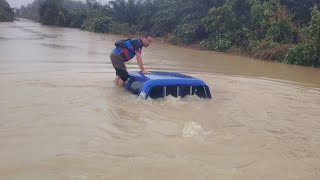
(160, 75)
(166, 77)
(155, 78)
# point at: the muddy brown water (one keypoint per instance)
(62, 118)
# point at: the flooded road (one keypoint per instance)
(62, 118)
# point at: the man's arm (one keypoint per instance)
(140, 63)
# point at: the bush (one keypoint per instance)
(277, 53)
(101, 24)
(313, 31)
(223, 44)
(4, 17)
(51, 12)
(61, 19)
(281, 31)
(174, 39)
(308, 54)
(187, 33)
(122, 28)
(75, 18)
(97, 24)
(163, 22)
(6, 13)
(207, 44)
(303, 54)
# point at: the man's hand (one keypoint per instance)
(145, 72)
(140, 63)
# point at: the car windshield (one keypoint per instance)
(135, 86)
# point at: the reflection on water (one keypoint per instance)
(62, 118)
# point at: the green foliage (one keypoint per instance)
(281, 28)
(93, 4)
(145, 17)
(220, 23)
(281, 31)
(6, 13)
(313, 30)
(125, 11)
(218, 20)
(98, 24)
(189, 28)
(303, 54)
(245, 23)
(31, 11)
(223, 44)
(74, 5)
(260, 14)
(50, 12)
(61, 19)
(163, 21)
(101, 24)
(186, 33)
(5, 16)
(300, 10)
(122, 28)
(75, 18)
(308, 54)
(231, 20)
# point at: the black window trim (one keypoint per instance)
(178, 88)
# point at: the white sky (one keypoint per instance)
(19, 3)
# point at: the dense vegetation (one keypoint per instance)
(279, 30)
(6, 13)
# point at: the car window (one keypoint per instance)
(199, 91)
(156, 92)
(175, 91)
(184, 91)
(135, 86)
(171, 90)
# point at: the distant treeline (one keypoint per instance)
(280, 30)
(6, 13)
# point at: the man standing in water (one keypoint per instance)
(125, 50)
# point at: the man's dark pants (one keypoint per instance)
(119, 66)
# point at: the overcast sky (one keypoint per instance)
(19, 3)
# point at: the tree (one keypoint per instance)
(300, 9)
(308, 53)
(313, 29)
(92, 4)
(126, 11)
(49, 12)
(164, 18)
(31, 11)
(189, 13)
(6, 13)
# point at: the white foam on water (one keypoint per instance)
(195, 130)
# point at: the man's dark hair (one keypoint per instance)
(146, 35)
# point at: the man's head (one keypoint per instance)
(146, 39)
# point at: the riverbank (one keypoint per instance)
(265, 55)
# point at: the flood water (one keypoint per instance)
(61, 117)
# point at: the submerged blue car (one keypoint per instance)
(161, 84)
